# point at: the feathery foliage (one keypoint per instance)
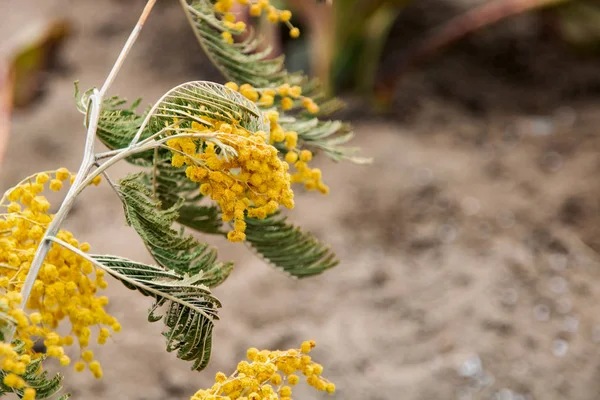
(242, 63)
(118, 124)
(190, 307)
(170, 248)
(239, 62)
(288, 248)
(196, 127)
(191, 101)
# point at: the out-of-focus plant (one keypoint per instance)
(578, 23)
(23, 59)
(346, 49)
(215, 159)
(361, 30)
(575, 21)
(348, 41)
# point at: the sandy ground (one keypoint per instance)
(469, 248)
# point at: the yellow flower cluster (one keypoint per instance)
(269, 375)
(257, 8)
(254, 182)
(65, 287)
(287, 96)
(310, 177)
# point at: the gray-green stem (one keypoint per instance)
(89, 159)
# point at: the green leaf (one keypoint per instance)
(118, 125)
(327, 136)
(190, 309)
(239, 62)
(171, 249)
(200, 101)
(288, 248)
(242, 63)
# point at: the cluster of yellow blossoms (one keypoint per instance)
(287, 96)
(256, 9)
(65, 287)
(253, 182)
(311, 177)
(269, 375)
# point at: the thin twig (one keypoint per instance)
(53, 228)
(128, 45)
(107, 154)
(155, 174)
(111, 183)
(83, 175)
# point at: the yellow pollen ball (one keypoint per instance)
(287, 103)
(285, 15)
(273, 16)
(295, 91)
(295, 33)
(56, 185)
(35, 318)
(29, 394)
(317, 369)
(42, 178)
(233, 86)
(306, 347)
(305, 155)
(14, 381)
(87, 356)
(255, 10)
(227, 37)
(62, 174)
(96, 369)
(220, 377)
(276, 379)
(252, 353)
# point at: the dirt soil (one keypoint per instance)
(470, 265)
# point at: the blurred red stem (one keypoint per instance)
(454, 30)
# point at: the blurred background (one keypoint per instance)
(470, 265)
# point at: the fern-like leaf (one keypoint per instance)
(242, 63)
(170, 248)
(199, 101)
(239, 62)
(118, 125)
(190, 307)
(327, 136)
(288, 248)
